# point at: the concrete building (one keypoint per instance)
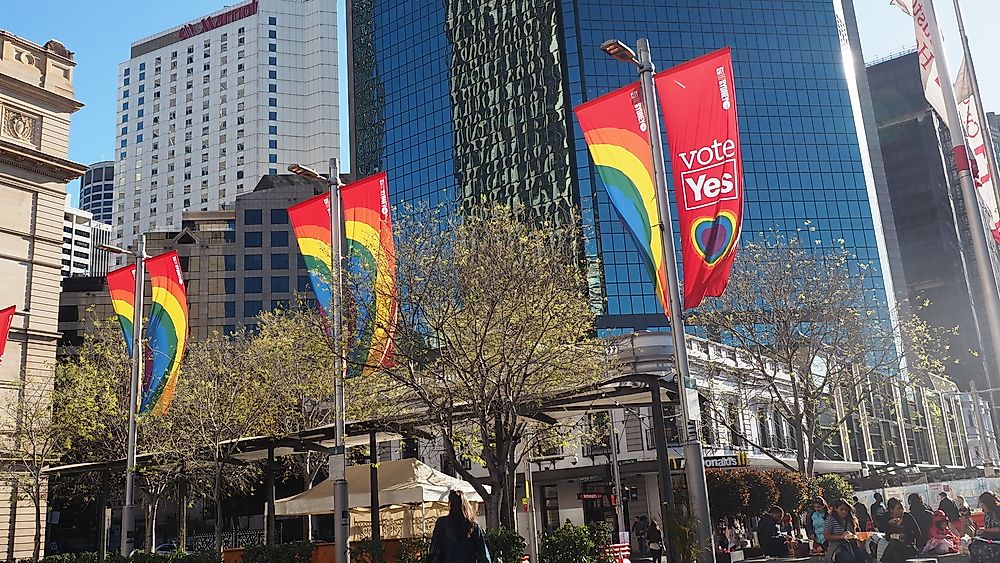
(97, 191)
(241, 261)
(207, 107)
(81, 236)
(930, 215)
(36, 102)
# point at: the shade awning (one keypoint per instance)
(402, 482)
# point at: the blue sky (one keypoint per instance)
(101, 39)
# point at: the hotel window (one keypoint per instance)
(272, 34)
(272, 20)
(272, 75)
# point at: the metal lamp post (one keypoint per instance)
(128, 510)
(693, 456)
(338, 458)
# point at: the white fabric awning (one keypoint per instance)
(407, 481)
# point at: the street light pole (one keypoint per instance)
(693, 455)
(128, 510)
(338, 457)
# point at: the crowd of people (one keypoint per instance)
(887, 531)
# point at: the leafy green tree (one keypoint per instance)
(494, 320)
(833, 487)
(793, 489)
(763, 490)
(222, 396)
(568, 544)
(804, 316)
(728, 494)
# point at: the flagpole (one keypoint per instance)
(984, 125)
(977, 230)
(694, 462)
(991, 164)
(128, 510)
(338, 457)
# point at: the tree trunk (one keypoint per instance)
(36, 553)
(182, 501)
(217, 490)
(151, 510)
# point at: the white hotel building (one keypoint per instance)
(207, 107)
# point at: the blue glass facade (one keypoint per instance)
(802, 161)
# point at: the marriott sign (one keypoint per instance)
(211, 22)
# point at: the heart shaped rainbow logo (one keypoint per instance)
(713, 237)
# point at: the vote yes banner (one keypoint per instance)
(698, 100)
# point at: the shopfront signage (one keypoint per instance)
(211, 22)
(738, 459)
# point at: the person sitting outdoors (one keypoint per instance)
(861, 511)
(878, 513)
(986, 547)
(967, 525)
(816, 524)
(941, 539)
(923, 515)
(772, 542)
(903, 533)
(842, 544)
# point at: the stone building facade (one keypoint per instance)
(36, 102)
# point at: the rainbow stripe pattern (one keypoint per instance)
(616, 132)
(166, 333)
(371, 258)
(311, 223)
(121, 285)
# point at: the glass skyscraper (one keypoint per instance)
(467, 102)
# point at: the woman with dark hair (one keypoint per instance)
(457, 537)
(839, 531)
(655, 538)
(903, 534)
(982, 549)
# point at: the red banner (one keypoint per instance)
(6, 317)
(698, 99)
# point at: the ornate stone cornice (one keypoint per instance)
(58, 169)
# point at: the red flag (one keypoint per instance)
(6, 317)
(698, 99)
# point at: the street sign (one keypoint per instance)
(589, 496)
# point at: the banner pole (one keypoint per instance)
(693, 455)
(128, 509)
(338, 455)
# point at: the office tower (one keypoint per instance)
(97, 191)
(207, 107)
(36, 102)
(81, 236)
(930, 212)
(465, 106)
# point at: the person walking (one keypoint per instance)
(879, 514)
(861, 511)
(985, 547)
(655, 537)
(923, 516)
(457, 538)
(839, 530)
(816, 524)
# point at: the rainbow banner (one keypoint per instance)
(616, 132)
(121, 285)
(166, 333)
(311, 223)
(371, 259)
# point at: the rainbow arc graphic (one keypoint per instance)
(369, 259)
(620, 148)
(167, 329)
